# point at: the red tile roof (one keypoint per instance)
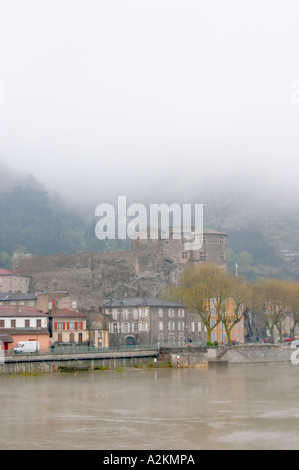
(7, 272)
(68, 313)
(20, 311)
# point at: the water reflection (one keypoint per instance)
(238, 407)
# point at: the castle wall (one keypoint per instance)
(145, 270)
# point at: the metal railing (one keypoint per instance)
(78, 349)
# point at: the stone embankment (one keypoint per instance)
(185, 357)
(39, 364)
(255, 353)
(173, 357)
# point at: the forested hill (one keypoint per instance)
(34, 221)
(263, 239)
(263, 233)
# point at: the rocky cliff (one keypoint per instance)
(89, 277)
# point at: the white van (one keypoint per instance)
(26, 347)
(295, 344)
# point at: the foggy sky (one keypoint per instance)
(152, 98)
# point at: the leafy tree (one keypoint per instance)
(271, 298)
(5, 260)
(204, 288)
(236, 303)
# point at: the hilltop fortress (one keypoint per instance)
(144, 270)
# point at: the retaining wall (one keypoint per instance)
(257, 353)
(50, 365)
(185, 357)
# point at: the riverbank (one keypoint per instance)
(165, 357)
(255, 353)
(51, 363)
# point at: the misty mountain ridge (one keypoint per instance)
(262, 227)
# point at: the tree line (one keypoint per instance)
(212, 291)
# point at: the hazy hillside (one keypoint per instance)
(263, 235)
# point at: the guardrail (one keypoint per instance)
(69, 350)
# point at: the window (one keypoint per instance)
(125, 314)
(204, 240)
(181, 312)
(135, 327)
(2, 324)
(181, 325)
(143, 312)
(38, 323)
(171, 339)
(199, 327)
(221, 240)
(143, 326)
(114, 315)
(12, 323)
(160, 326)
(192, 326)
(184, 255)
(115, 327)
(221, 256)
(203, 256)
(171, 325)
(166, 242)
(125, 327)
(135, 314)
(59, 325)
(171, 312)
(27, 323)
(160, 312)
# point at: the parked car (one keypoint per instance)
(266, 340)
(288, 339)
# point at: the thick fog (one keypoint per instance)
(156, 100)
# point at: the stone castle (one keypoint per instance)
(144, 270)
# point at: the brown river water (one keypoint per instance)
(230, 408)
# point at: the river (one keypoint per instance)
(234, 407)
